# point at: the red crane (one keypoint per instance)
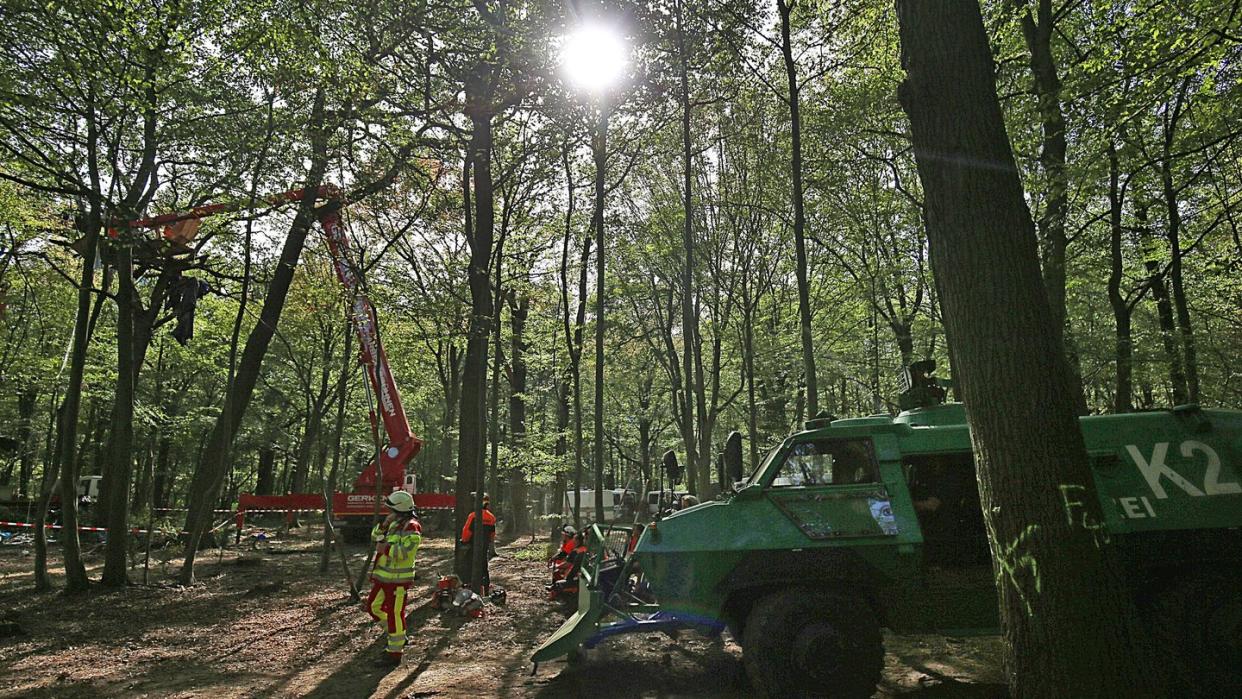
(402, 445)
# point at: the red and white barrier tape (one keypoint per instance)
(299, 509)
(28, 525)
(335, 512)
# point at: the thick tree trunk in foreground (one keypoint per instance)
(1070, 628)
(213, 464)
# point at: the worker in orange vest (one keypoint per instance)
(488, 536)
(396, 544)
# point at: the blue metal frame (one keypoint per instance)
(660, 621)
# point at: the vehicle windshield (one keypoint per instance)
(763, 465)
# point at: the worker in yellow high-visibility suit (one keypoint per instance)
(396, 544)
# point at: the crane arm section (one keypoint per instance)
(402, 445)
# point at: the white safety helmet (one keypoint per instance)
(399, 501)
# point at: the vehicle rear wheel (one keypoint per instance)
(804, 642)
(1198, 622)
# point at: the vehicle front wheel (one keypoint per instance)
(804, 642)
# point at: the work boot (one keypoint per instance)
(388, 660)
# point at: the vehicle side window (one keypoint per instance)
(828, 462)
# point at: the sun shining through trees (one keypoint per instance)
(594, 57)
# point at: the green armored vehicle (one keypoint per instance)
(860, 524)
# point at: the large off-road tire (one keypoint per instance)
(803, 642)
(1197, 625)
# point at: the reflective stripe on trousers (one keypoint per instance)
(387, 605)
(383, 573)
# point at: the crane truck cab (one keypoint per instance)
(855, 525)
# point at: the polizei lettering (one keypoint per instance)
(1155, 471)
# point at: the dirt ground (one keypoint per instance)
(273, 626)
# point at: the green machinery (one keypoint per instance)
(855, 525)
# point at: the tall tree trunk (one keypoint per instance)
(43, 581)
(493, 426)
(599, 149)
(75, 571)
(577, 386)
(689, 320)
(162, 476)
(1122, 311)
(1070, 627)
(1164, 309)
(748, 365)
(1038, 32)
(318, 407)
(519, 309)
(561, 449)
(1047, 87)
(473, 423)
(214, 463)
(342, 398)
(26, 401)
(141, 492)
(120, 461)
(576, 369)
(799, 225)
(1185, 331)
(302, 457)
(644, 427)
(452, 396)
(266, 483)
(96, 438)
(571, 383)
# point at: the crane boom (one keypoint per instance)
(403, 444)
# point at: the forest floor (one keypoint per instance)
(274, 626)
